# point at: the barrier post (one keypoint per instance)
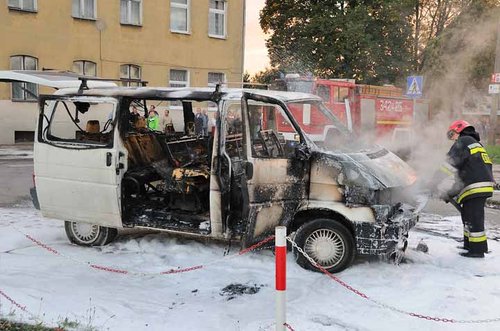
(280, 253)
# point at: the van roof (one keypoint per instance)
(51, 78)
(69, 83)
(188, 93)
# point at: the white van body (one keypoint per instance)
(99, 169)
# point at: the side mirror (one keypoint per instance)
(249, 170)
(302, 152)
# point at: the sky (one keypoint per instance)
(255, 49)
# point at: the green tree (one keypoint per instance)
(246, 77)
(367, 40)
(267, 76)
(432, 17)
(458, 63)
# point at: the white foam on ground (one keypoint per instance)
(440, 283)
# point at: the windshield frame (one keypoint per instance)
(326, 112)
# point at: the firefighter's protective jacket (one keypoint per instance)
(473, 165)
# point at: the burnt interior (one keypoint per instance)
(167, 183)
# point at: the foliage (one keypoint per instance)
(246, 77)
(13, 326)
(431, 17)
(494, 153)
(267, 76)
(367, 40)
(460, 60)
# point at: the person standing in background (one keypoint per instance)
(168, 125)
(205, 122)
(198, 122)
(153, 119)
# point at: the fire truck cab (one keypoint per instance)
(382, 113)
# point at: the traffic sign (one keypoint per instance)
(494, 89)
(495, 78)
(414, 86)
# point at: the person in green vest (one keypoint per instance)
(153, 119)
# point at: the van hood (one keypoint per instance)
(376, 169)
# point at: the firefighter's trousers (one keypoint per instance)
(473, 220)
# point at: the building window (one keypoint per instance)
(85, 68)
(179, 16)
(131, 12)
(85, 9)
(217, 19)
(215, 78)
(24, 91)
(26, 5)
(130, 74)
(178, 78)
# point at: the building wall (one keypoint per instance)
(57, 39)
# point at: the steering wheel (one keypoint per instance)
(271, 143)
(106, 125)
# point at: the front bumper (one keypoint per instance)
(381, 237)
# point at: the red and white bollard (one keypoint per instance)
(280, 252)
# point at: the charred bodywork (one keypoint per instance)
(258, 167)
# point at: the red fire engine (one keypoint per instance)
(379, 110)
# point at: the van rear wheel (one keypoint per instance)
(85, 234)
(328, 243)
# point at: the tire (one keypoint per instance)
(328, 243)
(84, 234)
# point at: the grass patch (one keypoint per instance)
(494, 153)
(6, 325)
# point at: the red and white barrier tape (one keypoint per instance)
(127, 272)
(384, 305)
(18, 305)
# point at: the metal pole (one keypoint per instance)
(496, 97)
(280, 253)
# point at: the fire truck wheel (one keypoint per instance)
(327, 242)
(85, 234)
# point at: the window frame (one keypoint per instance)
(21, 7)
(173, 105)
(82, 10)
(178, 82)
(213, 84)
(26, 96)
(187, 7)
(84, 62)
(127, 81)
(129, 13)
(218, 11)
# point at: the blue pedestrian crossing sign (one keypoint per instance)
(414, 86)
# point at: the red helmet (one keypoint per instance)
(458, 126)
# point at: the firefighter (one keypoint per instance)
(473, 184)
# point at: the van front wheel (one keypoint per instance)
(328, 243)
(85, 234)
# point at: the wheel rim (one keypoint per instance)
(86, 233)
(326, 247)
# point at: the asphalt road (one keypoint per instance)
(16, 169)
(16, 174)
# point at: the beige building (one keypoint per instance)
(164, 42)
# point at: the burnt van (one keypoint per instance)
(268, 158)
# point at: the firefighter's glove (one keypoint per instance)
(446, 197)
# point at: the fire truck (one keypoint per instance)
(380, 112)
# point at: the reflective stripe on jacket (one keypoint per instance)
(474, 168)
(475, 189)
